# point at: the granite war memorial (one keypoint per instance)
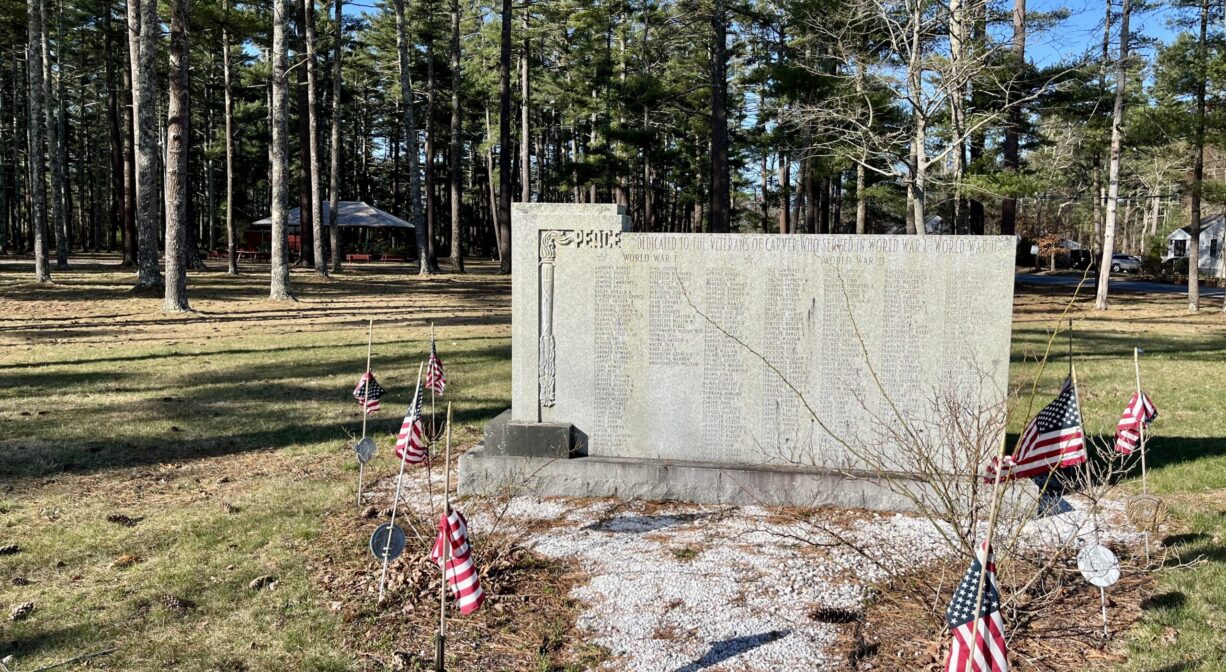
(738, 368)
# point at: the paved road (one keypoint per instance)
(1117, 284)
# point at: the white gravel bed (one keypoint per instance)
(683, 587)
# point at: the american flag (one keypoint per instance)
(1053, 439)
(461, 572)
(977, 641)
(435, 380)
(1140, 412)
(412, 437)
(367, 392)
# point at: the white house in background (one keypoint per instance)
(1212, 239)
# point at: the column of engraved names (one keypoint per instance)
(784, 432)
(672, 326)
(612, 307)
(843, 385)
(904, 337)
(724, 367)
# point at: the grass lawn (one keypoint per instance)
(153, 466)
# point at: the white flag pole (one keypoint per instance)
(439, 660)
(1136, 363)
(404, 455)
(1102, 592)
(433, 421)
(370, 331)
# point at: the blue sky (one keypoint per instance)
(1083, 30)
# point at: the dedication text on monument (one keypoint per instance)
(749, 348)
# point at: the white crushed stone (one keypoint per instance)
(687, 587)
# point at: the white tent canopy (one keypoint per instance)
(354, 214)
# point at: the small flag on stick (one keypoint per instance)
(978, 641)
(1053, 439)
(367, 392)
(1139, 413)
(435, 380)
(461, 572)
(411, 443)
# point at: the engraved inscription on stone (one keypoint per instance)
(610, 334)
(767, 349)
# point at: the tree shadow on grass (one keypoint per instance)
(246, 408)
(41, 638)
(1168, 600)
(1088, 346)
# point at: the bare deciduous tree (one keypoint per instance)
(1113, 180)
(907, 68)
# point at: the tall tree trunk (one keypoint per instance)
(456, 169)
(231, 243)
(35, 131)
(5, 220)
(280, 285)
(148, 217)
(306, 226)
(334, 161)
(785, 193)
(431, 157)
(525, 137)
(1198, 162)
(113, 126)
(1008, 206)
(721, 194)
(489, 171)
(836, 203)
(861, 201)
(504, 144)
(919, 155)
(178, 129)
(317, 224)
(58, 218)
(409, 123)
(957, 102)
(823, 208)
(131, 186)
(811, 201)
(1113, 186)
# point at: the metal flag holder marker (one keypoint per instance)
(1101, 568)
(365, 449)
(404, 455)
(440, 664)
(387, 542)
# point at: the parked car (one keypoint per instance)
(1080, 259)
(1125, 263)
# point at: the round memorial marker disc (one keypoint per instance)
(365, 449)
(1098, 565)
(387, 538)
(1146, 512)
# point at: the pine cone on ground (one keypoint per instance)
(21, 612)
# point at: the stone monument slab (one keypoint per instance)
(758, 354)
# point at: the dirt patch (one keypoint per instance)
(1060, 631)
(527, 621)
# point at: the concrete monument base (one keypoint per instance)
(483, 472)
